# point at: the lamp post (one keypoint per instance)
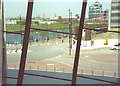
(70, 31)
(36, 37)
(21, 30)
(48, 32)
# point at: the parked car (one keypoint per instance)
(59, 36)
(116, 47)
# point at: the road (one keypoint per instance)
(98, 59)
(101, 59)
(36, 52)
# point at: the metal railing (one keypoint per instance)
(69, 70)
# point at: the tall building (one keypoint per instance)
(55, 15)
(115, 14)
(96, 11)
(44, 15)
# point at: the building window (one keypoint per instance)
(115, 8)
(115, 21)
(97, 11)
(115, 14)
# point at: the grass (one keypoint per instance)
(14, 27)
(51, 26)
(107, 35)
(114, 29)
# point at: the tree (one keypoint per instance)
(54, 34)
(36, 22)
(22, 22)
(31, 37)
(43, 34)
(77, 15)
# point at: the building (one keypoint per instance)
(115, 14)
(55, 15)
(54, 19)
(46, 22)
(64, 19)
(11, 22)
(95, 11)
(44, 15)
(98, 18)
(23, 76)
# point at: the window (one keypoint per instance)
(97, 11)
(115, 8)
(115, 14)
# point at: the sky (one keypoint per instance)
(55, 0)
(15, 8)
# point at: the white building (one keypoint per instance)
(46, 22)
(11, 22)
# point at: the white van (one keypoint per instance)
(116, 47)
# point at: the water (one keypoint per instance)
(36, 35)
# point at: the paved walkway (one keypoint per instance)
(28, 79)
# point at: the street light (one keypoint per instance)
(48, 29)
(21, 30)
(36, 37)
(77, 15)
(70, 31)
